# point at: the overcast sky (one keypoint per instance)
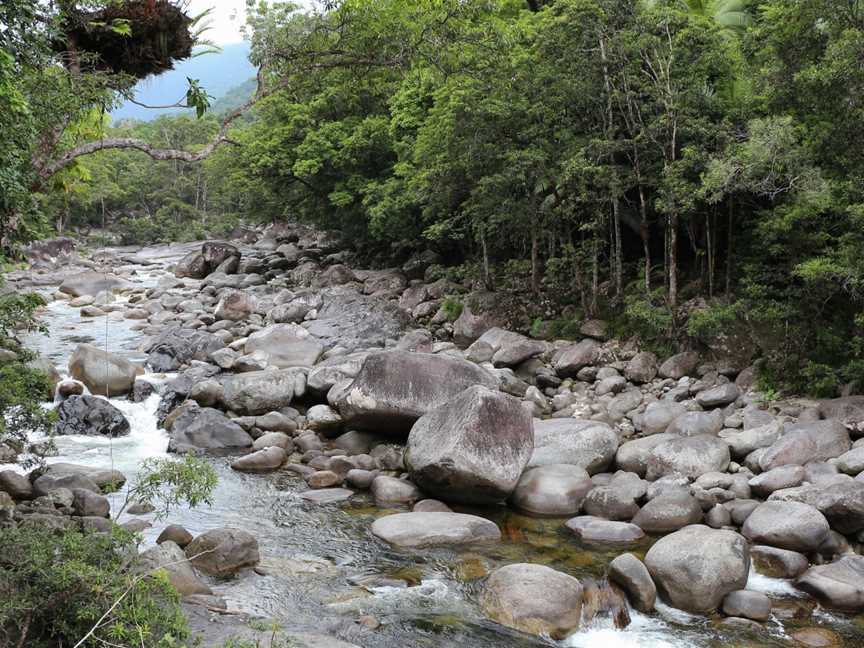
(227, 18)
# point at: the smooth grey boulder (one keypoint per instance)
(597, 531)
(590, 445)
(395, 388)
(805, 442)
(285, 346)
(631, 575)
(16, 485)
(642, 368)
(223, 552)
(204, 428)
(90, 416)
(788, 525)
(390, 490)
(103, 373)
(838, 584)
(235, 305)
(668, 512)
(472, 449)
(417, 530)
(260, 392)
(718, 396)
(569, 360)
(534, 599)
(842, 503)
(852, 462)
(743, 442)
(659, 415)
(264, 460)
(92, 283)
(504, 348)
(778, 563)
(86, 503)
(169, 557)
(178, 346)
(776, 479)
(747, 604)
(696, 567)
(70, 475)
(616, 500)
(633, 456)
(679, 365)
(551, 490)
(696, 424)
(688, 456)
(333, 370)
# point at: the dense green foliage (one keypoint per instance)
(652, 162)
(56, 587)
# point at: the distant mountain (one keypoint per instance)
(218, 74)
(235, 97)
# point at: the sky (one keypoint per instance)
(226, 20)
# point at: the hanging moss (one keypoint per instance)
(160, 35)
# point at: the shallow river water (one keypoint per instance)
(325, 569)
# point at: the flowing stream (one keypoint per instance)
(323, 569)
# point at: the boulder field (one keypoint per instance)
(357, 384)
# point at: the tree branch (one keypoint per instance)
(49, 169)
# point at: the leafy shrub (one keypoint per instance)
(21, 411)
(55, 588)
(650, 320)
(452, 309)
(709, 322)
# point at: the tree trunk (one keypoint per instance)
(595, 275)
(729, 251)
(709, 243)
(673, 260)
(535, 261)
(645, 234)
(487, 274)
(619, 252)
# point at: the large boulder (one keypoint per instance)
(260, 392)
(193, 266)
(169, 557)
(89, 415)
(285, 346)
(221, 256)
(569, 360)
(787, 525)
(204, 428)
(418, 530)
(395, 388)
(472, 449)
(688, 456)
(696, 567)
(504, 348)
(352, 320)
(105, 480)
(631, 575)
(633, 456)
(668, 512)
(806, 442)
(223, 552)
(659, 415)
(552, 490)
(177, 346)
(642, 368)
(480, 312)
(92, 283)
(235, 305)
(263, 460)
(534, 599)
(103, 373)
(679, 365)
(838, 584)
(842, 504)
(590, 445)
(718, 396)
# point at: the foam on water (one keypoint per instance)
(643, 632)
(771, 586)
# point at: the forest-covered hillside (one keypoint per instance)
(686, 170)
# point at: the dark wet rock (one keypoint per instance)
(177, 346)
(434, 529)
(205, 428)
(86, 503)
(472, 449)
(534, 599)
(91, 416)
(103, 373)
(747, 604)
(597, 531)
(223, 552)
(395, 388)
(778, 563)
(176, 534)
(631, 575)
(16, 485)
(590, 445)
(838, 584)
(805, 442)
(696, 567)
(552, 490)
(217, 253)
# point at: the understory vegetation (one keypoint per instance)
(690, 171)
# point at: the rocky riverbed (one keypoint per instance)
(391, 478)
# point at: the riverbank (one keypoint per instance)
(274, 347)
